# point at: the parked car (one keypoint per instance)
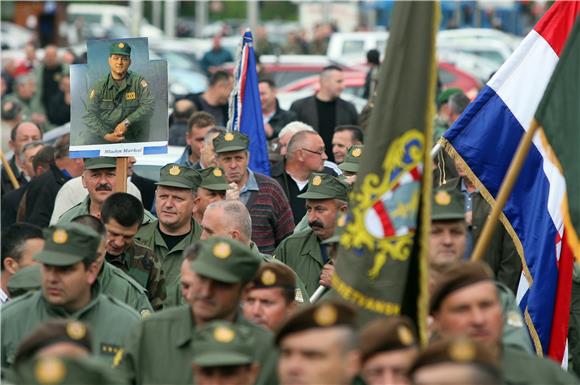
(148, 166)
(354, 81)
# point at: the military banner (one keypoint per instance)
(119, 101)
(381, 267)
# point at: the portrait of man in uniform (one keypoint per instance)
(122, 103)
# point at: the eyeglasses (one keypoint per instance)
(319, 152)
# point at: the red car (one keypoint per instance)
(354, 81)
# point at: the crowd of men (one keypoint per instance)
(218, 274)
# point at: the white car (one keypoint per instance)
(148, 166)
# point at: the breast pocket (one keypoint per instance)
(130, 105)
(107, 105)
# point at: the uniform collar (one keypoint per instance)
(58, 311)
(159, 241)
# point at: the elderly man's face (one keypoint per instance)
(235, 165)
(322, 214)
(27, 132)
(447, 242)
(119, 65)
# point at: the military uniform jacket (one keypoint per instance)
(518, 367)
(139, 262)
(117, 284)
(302, 253)
(111, 101)
(109, 319)
(150, 236)
(159, 350)
(84, 207)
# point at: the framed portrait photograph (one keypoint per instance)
(119, 101)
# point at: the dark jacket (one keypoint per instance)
(280, 119)
(147, 188)
(177, 132)
(41, 195)
(221, 120)
(298, 205)
(307, 112)
(501, 254)
(10, 202)
(6, 184)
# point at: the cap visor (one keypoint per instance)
(230, 149)
(222, 359)
(57, 258)
(213, 272)
(350, 167)
(216, 187)
(447, 217)
(174, 184)
(98, 166)
(315, 195)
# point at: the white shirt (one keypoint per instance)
(3, 296)
(72, 193)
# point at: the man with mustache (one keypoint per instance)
(99, 180)
(326, 197)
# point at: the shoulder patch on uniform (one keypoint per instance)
(144, 83)
(118, 357)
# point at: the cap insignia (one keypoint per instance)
(316, 181)
(217, 172)
(356, 152)
(224, 334)
(121, 45)
(268, 278)
(229, 137)
(222, 250)
(405, 335)
(325, 315)
(50, 371)
(442, 198)
(59, 236)
(175, 170)
(462, 351)
(76, 330)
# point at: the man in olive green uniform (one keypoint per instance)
(231, 219)
(122, 215)
(465, 303)
(159, 350)
(326, 197)
(212, 188)
(223, 353)
(121, 104)
(447, 246)
(69, 290)
(99, 178)
(175, 229)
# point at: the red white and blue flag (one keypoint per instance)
(485, 139)
(246, 109)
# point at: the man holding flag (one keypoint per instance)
(484, 141)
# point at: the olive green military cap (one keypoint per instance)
(69, 243)
(225, 260)
(221, 343)
(352, 160)
(120, 48)
(447, 205)
(326, 314)
(51, 333)
(100, 162)
(444, 95)
(25, 280)
(174, 175)
(66, 371)
(213, 178)
(272, 275)
(460, 350)
(324, 186)
(459, 276)
(230, 141)
(387, 334)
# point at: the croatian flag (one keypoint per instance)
(246, 108)
(485, 138)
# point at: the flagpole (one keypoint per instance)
(505, 191)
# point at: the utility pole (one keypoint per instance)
(201, 16)
(170, 18)
(136, 16)
(253, 14)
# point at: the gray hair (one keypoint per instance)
(294, 127)
(298, 140)
(458, 103)
(236, 214)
